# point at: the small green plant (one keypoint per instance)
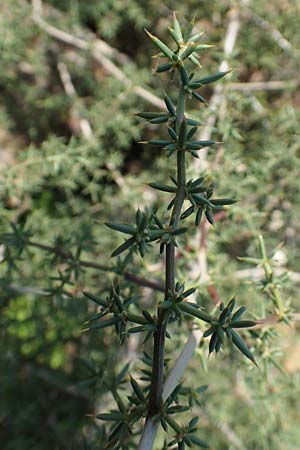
(194, 197)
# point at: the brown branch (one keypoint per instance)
(213, 294)
(65, 255)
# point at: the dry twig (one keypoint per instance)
(270, 30)
(96, 51)
(76, 118)
(277, 85)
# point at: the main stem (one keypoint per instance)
(163, 315)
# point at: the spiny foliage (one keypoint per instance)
(62, 181)
(151, 228)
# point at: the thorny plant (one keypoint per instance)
(189, 197)
(121, 308)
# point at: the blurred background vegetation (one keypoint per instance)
(70, 82)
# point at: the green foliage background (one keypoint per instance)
(63, 187)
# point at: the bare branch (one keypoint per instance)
(64, 255)
(66, 79)
(27, 290)
(60, 35)
(217, 97)
(270, 30)
(231, 436)
(76, 117)
(199, 268)
(96, 50)
(265, 85)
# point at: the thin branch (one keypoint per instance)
(60, 35)
(26, 290)
(104, 47)
(270, 30)
(231, 436)
(64, 255)
(152, 284)
(217, 97)
(96, 51)
(199, 268)
(258, 273)
(84, 124)
(265, 85)
(66, 79)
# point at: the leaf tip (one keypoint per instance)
(255, 363)
(150, 35)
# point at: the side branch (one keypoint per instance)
(64, 255)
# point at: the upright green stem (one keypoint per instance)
(279, 302)
(160, 334)
(180, 107)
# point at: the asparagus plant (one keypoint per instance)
(153, 401)
(194, 197)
